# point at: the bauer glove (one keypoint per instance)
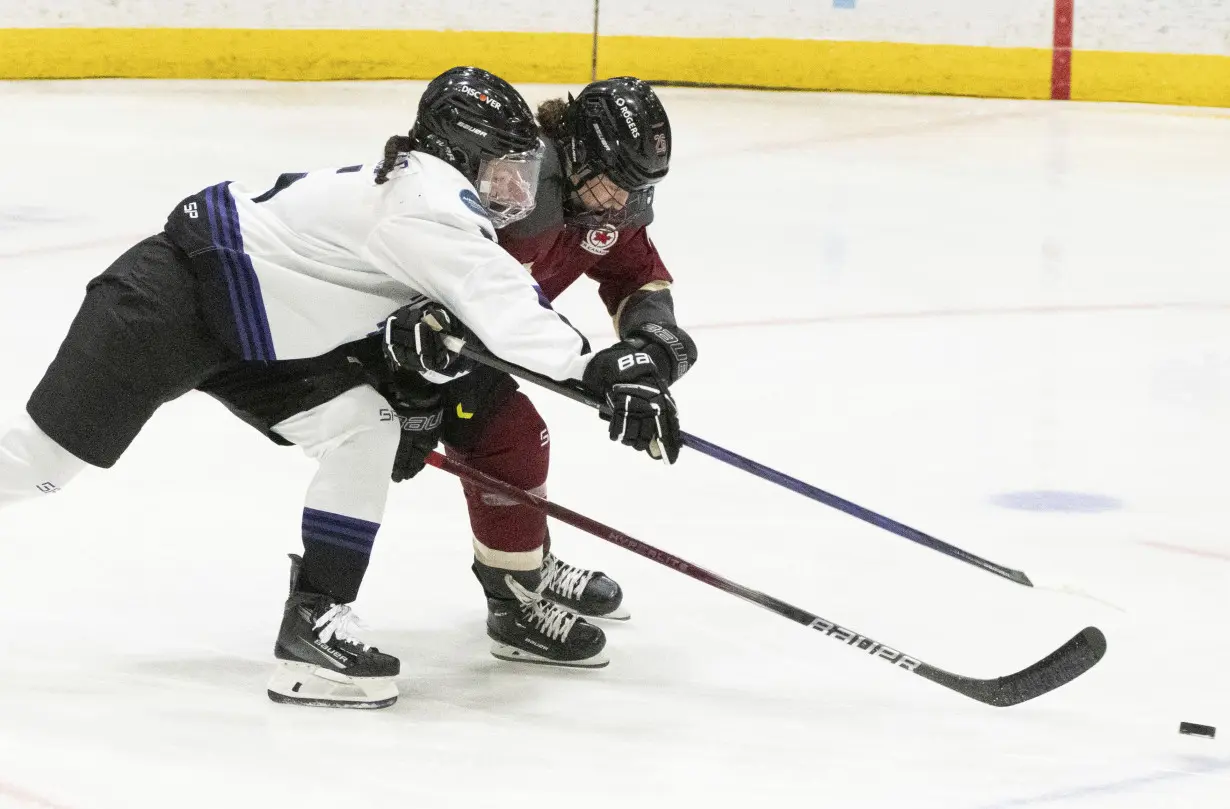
(642, 412)
(414, 341)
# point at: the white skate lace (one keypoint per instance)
(340, 622)
(551, 620)
(567, 580)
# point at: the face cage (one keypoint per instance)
(507, 185)
(634, 211)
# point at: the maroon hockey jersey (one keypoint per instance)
(621, 261)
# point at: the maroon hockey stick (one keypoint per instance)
(1060, 667)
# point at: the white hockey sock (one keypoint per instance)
(508, 560)
(31, 464)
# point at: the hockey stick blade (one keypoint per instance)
(1067, 663)
(1062, 666)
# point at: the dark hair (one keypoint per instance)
(551, 117)
(392, 148)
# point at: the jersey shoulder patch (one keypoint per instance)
(471, 201)
(599, 241)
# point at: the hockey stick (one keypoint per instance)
(748, 465)
(1060, 667)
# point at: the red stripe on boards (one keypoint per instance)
(1061, 53)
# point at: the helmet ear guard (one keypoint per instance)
(436, 146)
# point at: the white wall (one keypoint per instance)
(1176, 26)
(1004, 23)
(570, 16)
(1161, 26)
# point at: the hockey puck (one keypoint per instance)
(1192, 729)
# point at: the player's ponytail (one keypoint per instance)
(392, 148)
(551, 117)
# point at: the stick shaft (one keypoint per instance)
(758, 469)
(1063, 665)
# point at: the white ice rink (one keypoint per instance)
(942, 309)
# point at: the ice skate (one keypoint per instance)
(322, 662)
(526, 627)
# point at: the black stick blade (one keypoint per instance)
(1061, 667)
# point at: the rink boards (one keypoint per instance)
(1172, 51)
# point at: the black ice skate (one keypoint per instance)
(322, 662)
(524, 626)
(591, 593)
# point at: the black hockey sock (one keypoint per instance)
(336, 550)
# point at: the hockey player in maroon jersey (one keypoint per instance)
(605, 151)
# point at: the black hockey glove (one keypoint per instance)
(414, 341)
(421, 418)
(643, 414)
(673, 349)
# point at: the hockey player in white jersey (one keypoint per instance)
(242, 276)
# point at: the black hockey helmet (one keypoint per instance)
(619, 128)
(479, 124)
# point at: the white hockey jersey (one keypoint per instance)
(321, 258)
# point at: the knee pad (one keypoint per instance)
(354, 438)
(358, 416)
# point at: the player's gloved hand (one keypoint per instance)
(421, 417)
(643, 414)
(414, 341)
(673, 349)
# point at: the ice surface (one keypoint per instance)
(930, 306)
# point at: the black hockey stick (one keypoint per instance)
(757, 469)
(1060, 667)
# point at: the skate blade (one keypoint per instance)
(313, 686)
(503, 651)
